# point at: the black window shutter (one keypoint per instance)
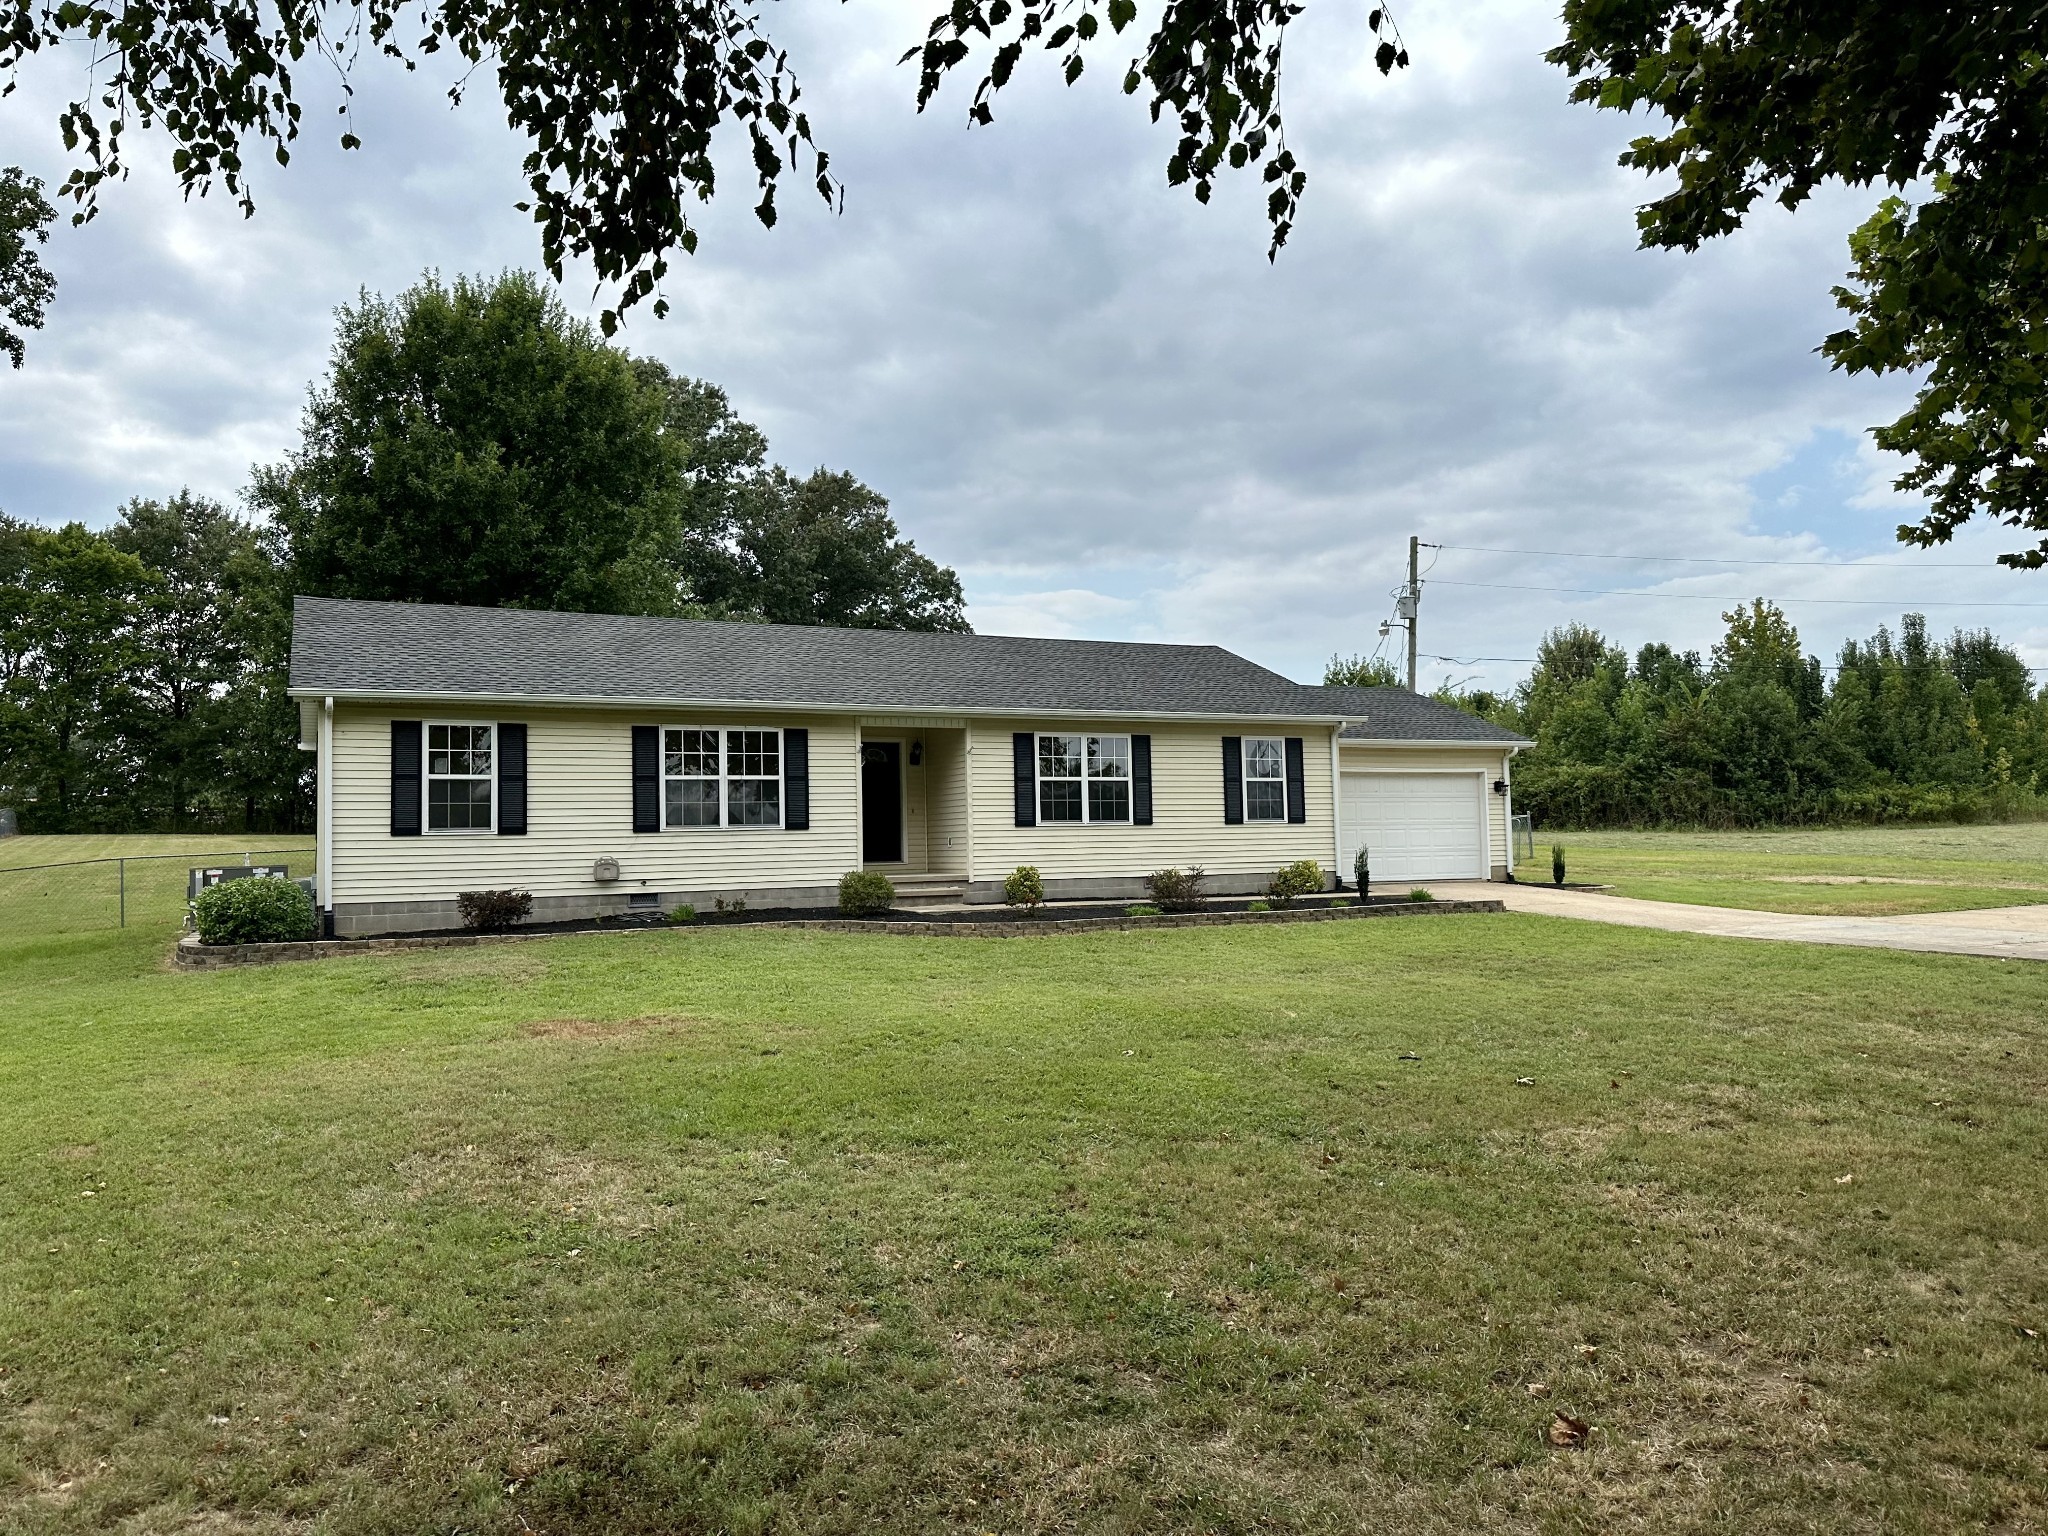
(646, 778)
(1233, 781)
(511, 780)
(1024, 776)
(405, 778)
(1297, 783)
(796, 780)
(1141, 781)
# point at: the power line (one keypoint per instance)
(1844, 565)
(1703, 597)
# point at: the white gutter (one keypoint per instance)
(803, 706)
(1377, 744)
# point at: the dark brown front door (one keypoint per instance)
(881, 802)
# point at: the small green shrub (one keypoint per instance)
(1361, 871)
(261, 909)
(1178, 890)
(1422, 893)
(864, 892)
(1141, 909)
(1258, 906)
(681, 914)
(493, 911)
(1302, 878)
(1023, 887)
(1557, 863)
(739, 903)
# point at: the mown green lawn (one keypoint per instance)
(718, 1230)
(1852, 871)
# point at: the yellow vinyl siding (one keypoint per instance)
(1187, 807)
(1490, 761)
(945, 796)
(579, 809)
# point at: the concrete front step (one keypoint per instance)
(930, 891)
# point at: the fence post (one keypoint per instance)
(124, 891)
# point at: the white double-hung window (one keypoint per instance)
(721, 778)
(1084, 778)
(1265, 778)
(459, 778)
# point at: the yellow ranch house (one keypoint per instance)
(608, 764)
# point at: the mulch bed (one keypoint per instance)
(995, 922)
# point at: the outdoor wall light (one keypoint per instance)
(1500, 786)
(916, 753)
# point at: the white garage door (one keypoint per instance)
(1419, 826)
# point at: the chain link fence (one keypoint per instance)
(131, 891)
(1522, 829)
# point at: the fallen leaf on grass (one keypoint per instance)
(1525, 1082)
(1847, 1178)
(1567, 1432)
(1537, 1389)
(2029, 1333)
(1588, 1351)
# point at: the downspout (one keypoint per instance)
(323, 842)
(967, 796)
(1507, 814)
(1337, 804)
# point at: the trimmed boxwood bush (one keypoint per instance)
(864, 892)
(493, 911)
(1022, 887)
(262, 909)
(1304, 877)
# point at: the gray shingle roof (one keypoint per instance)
(1395, 714)
(420, 649)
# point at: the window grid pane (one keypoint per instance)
(1109, 800)
(1059, 800)
(458, 778)
(1265, 801)
(1265, 758)
(1059, 757)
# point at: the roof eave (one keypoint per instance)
(1514, 745)
(806, 706)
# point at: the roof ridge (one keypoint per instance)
(773, 625)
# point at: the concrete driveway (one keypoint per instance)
(2003, 933)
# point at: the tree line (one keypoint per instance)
(1904, 727)
(471, 443)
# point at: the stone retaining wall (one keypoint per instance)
(189, 954)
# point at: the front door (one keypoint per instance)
(881, 802)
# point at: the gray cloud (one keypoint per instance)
(1094, 397)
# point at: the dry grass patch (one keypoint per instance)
(606, 1029)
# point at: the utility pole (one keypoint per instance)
(1411, 602)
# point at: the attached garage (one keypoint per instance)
(1418, 826)
(1425, 787)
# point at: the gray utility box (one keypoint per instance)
(200, 879)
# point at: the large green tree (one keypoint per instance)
(472, 443)
(67, 707)
(824, 550)
(189, 648)
(26, 285)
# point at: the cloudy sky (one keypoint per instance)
(1093, 397)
